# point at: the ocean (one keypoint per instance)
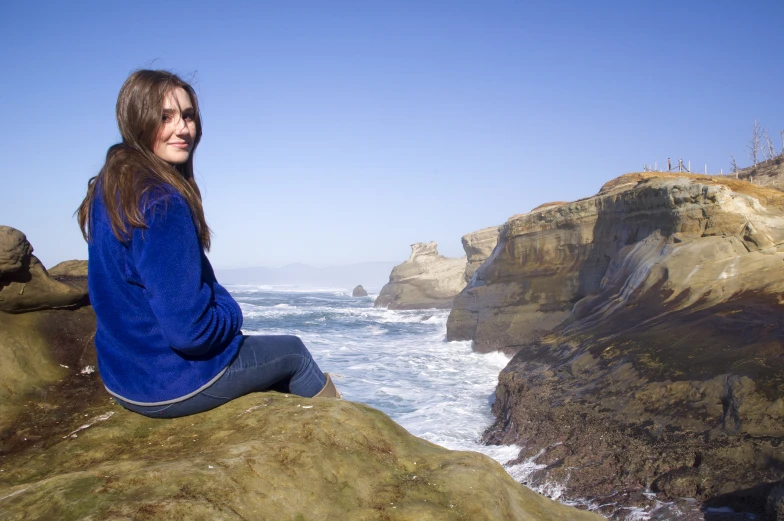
(395, 361)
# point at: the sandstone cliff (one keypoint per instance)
(430, 280)
(647, 322)
(68, 452)
(478, 246)
(426, 280)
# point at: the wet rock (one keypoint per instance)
(682, 482)
(774, 507)
(359, 291)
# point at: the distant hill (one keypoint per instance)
(372, 275)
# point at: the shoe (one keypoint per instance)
(329, 390)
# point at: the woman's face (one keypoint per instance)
(175, 136)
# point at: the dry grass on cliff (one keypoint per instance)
(769, 197)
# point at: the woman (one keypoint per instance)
(168, 335)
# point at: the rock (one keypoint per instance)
(69, 269)
(478, 246)
(649, 338)
(426, 280)
(550, 259)
(775, 503)
(359, 291)
(25, 284)
(15, 251)
(69, 452)
(263, 456)
(41, 351)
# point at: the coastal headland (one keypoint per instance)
(647, 327)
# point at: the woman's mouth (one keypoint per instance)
(182, 145)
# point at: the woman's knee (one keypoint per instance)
(262, 350)
(296, 345)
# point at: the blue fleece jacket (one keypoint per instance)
(166, 329)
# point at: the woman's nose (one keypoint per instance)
(182, 127)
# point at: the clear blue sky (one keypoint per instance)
(339, 132)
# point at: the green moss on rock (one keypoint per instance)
(264, 456)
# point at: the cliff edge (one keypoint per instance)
(649, 339)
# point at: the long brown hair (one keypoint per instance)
(132, 172)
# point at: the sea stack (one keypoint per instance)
(426, 280)
(359, 291)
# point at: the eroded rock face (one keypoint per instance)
(478, 246)
(25, 284)
(359, 291)
(550, 259)
(15, 250)
(68, 452)
(649, 333)
(426, 280)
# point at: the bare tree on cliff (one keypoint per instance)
(734, 165)
(769, 150)
(782, 140)
(755, 144)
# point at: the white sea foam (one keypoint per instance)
(239, 289)
(245, 288)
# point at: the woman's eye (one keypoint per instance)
(166, 118)
(187, 117)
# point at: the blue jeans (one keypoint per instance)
(279, 363)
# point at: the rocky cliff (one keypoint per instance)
(68, 452)
(426, 280)
(647, 322)
(430, 280)
(478, 246)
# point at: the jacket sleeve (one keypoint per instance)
(174, 273)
